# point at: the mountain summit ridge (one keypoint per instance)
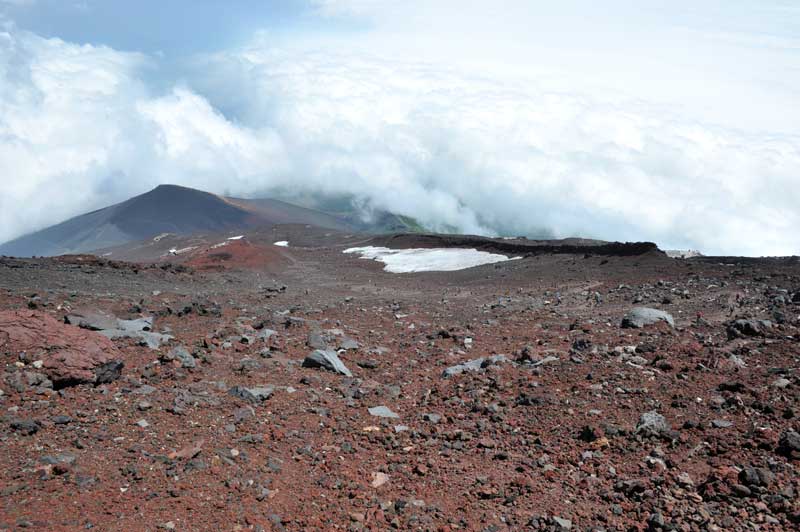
(166, 208)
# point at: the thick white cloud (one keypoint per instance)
(454, 146)
(486, 156)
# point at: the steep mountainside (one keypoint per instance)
(165, 209)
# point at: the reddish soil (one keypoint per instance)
(564, 434)
(238, 255)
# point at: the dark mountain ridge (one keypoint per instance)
(165, 209)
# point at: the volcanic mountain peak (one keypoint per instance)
(165, 209)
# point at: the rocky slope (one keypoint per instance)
(322, 393)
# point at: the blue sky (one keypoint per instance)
(172, 27)
(634, 120)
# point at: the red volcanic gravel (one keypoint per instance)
(512, 398)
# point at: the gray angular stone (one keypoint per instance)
(348, 344)
(741, 328)
(652, 424)
(58, 459)
(141, 324)
(255, 394)
(642, 316)
(150, 339)
(113, 328)
(383, 411)
(266, 334)
(563, 524)
(182, 355)
(326, 359)
(474, 365)
(316, 340)
(781, 383)
(92, 322)
(431, 417)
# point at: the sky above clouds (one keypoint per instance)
(671, 122)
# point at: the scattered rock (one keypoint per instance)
(474, 365)
(383, 411)
(789, 445)
(721, 423)
(327, 359)
(113, 328)
(348, 344)
(653, 424)
(742, 328)
(254, 395)
(26, 427)
(379, 479)
(642, 316)
(70, 355)
(182, 355)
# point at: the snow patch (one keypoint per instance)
(428, 260)
(282, 244)
(236, 237)
(175, 251)
(683, 253)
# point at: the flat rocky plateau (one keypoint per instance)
(299, 388)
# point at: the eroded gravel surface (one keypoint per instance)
(569, 422)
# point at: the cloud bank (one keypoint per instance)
(83, 126)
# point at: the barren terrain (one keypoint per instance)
(570, 421)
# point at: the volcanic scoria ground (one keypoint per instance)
(301, 388)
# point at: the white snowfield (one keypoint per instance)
(682, 253)
(428, 260)
(236, 237)
(282, 244)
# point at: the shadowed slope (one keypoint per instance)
(165, 209)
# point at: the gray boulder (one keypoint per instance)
(474, 365)
(741, 328)
(182, 355)
(642, 316)
(255, 394)
(315, 340)
(653, 424)
(113, 328)
(326, 359)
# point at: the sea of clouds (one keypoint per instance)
(83, 126)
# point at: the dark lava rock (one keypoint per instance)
(756, 476)
(742, 328)
(789, 445)
(108, 372)
(25, 426)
